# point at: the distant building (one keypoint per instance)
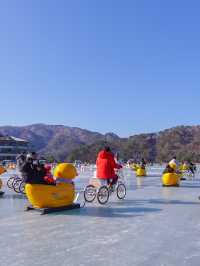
(10, 147)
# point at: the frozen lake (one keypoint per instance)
(153, 226)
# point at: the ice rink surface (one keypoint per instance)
(153, 226)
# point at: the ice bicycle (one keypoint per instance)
(16, 183)
(188, 174)
(103, 192)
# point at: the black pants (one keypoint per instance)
(112, 181)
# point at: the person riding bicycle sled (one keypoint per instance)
(143, 163)
(192, 167)
(106, 166)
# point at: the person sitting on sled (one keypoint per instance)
(33, 172)
(168, 169)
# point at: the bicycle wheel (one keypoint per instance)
(121, 191)
(90, 193)
(16, 185)
(22, 187)
(10, 182)
(15, 180)
(103, 195)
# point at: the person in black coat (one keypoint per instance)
(32, 171)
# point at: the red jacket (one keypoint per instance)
(106, 165)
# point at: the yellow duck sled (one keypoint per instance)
(53, 198)
(141, 172)
(171, 179)
(134, 167)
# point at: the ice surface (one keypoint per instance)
(153, 226)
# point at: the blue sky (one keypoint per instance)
(105, 65)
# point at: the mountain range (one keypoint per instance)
(72, 143)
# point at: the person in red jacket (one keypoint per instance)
(106, 166)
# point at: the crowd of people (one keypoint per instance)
(34, 172)
(174, 166)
